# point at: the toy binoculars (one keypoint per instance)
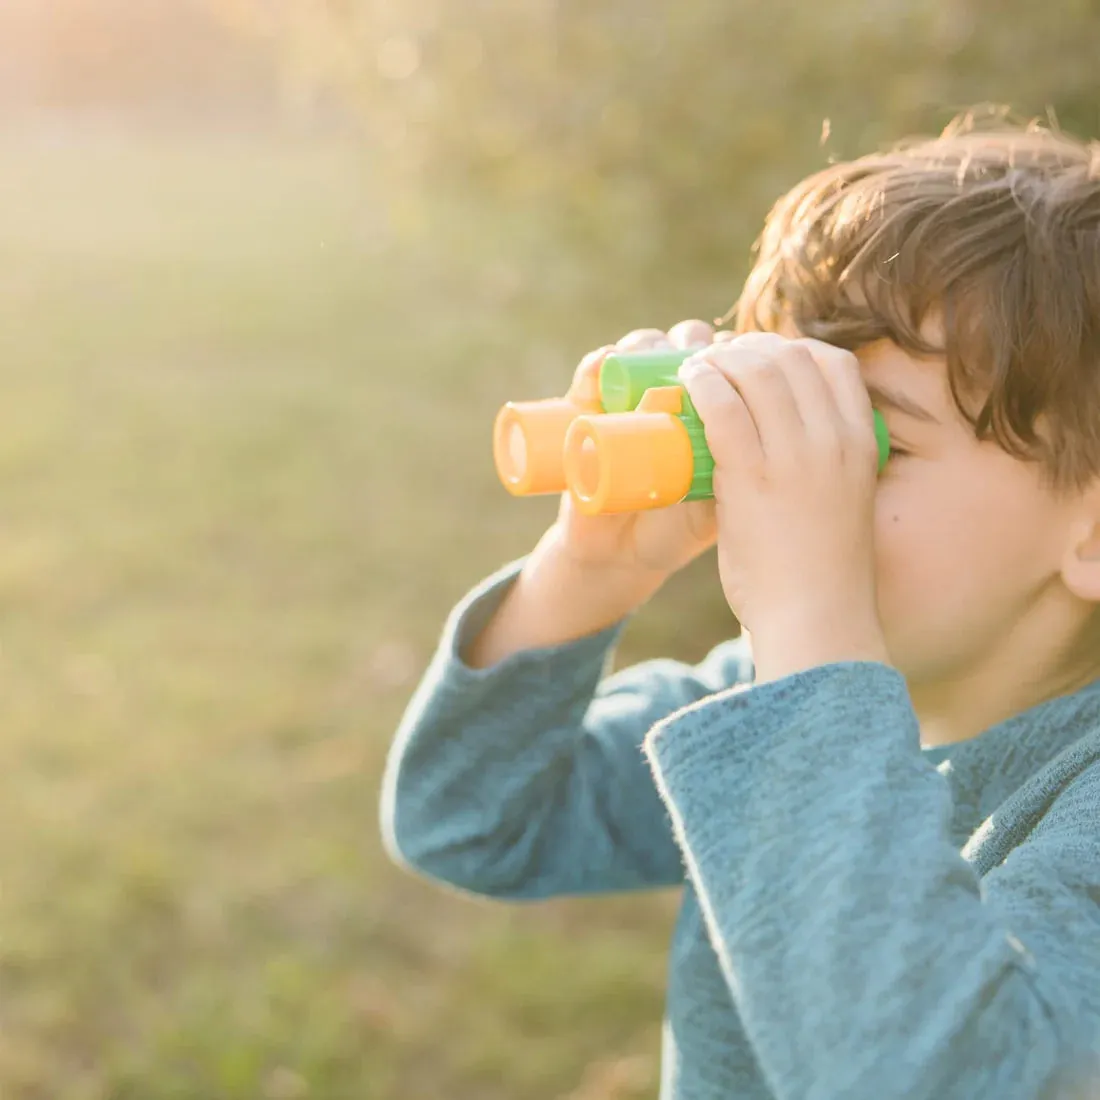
(639, 445)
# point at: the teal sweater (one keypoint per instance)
(861, 917)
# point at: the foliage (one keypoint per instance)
(247, 396)
(675, 124)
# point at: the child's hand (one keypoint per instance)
(654, 543)
(791, 429)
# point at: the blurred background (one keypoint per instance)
(267, 270)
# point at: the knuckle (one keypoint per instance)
(684, 334)
(758, 339)
(738, 362)
(717, 355)
(641, 339)
(588, 367)
(798, 357)
(829, 355)
(595, 356)
(763, 373)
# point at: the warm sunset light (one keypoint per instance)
(412, 686)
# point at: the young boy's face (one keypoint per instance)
(969, 542)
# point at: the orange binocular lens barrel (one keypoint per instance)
(626, 462)
(528, 442)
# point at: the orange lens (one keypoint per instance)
(627, 462)
(528, 439)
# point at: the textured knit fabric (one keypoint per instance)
(861, 917)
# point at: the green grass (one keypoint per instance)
(244, 473)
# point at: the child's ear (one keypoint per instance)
(1081, 564)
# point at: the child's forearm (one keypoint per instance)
(556, 600)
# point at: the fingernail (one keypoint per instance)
(691, 368)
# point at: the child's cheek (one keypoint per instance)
(896, 572)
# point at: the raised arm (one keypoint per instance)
(527, 779)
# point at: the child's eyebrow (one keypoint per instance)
(892, 399)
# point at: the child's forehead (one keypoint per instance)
(915, 386)
(924, 377)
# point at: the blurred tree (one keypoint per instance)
(685, 117)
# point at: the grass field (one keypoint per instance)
(245, 472)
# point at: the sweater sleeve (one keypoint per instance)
(527, 779)
(866, 956)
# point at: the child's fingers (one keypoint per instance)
(586, 378)
(754, 368)
(842, 371)
(644, 339)
(690, 334)
(813, 393)
(730, 430)
(819, 377)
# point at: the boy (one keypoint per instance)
(882, 801)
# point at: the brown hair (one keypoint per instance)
(994, 226)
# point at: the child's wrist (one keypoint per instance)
(553, 563)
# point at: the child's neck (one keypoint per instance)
(950, 711)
